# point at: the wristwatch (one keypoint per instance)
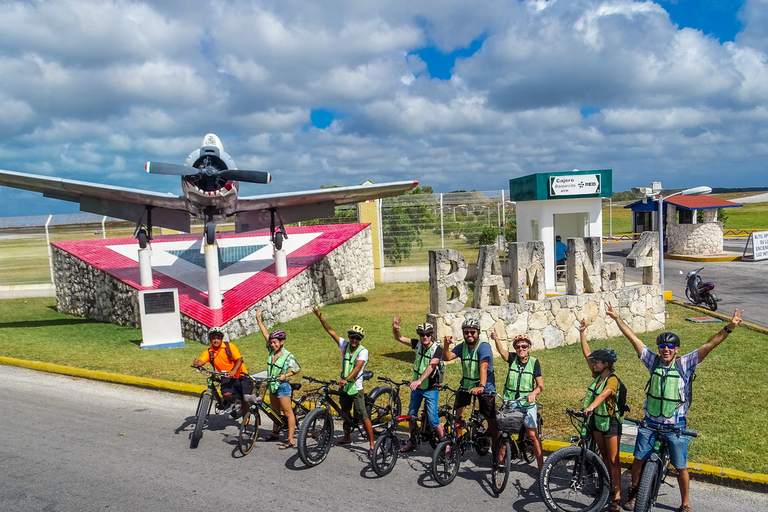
(726, 329)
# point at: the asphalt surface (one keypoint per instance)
(739, 284)
(70, 444)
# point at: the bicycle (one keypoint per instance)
(387, 448)
(515, 444)
(463, 437)
(655, 467)
(210, 395)
(574, 478)
(316, 432)
(249, 426)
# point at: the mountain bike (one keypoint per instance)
(513, 445)
(463, 437)
(574, 478)
(316, 432)
(387, 448)
(655, 467)
(210, 395)
(249, 426)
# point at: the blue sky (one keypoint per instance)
(342, 91)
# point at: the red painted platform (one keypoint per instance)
(247, 270)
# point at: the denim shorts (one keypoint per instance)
(677, 444)
(430, 397)
(283, 390)
(530, 413)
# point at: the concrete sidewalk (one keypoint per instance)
(714, 474)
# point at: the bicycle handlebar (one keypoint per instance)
(576, 414)
(392, 381)
(202, 369)
(664, 429)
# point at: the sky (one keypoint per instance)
(454, 94)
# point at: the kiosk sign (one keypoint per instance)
(574, 185)
(760, 245)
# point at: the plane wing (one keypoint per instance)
(120, 202)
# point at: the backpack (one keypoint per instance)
(439, 373)
(621, 398)
(226, 349)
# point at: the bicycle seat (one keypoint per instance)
(295, 386)
(367, 374)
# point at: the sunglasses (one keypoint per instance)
(670, 346)
(471, 333)
(522, 347)
(358, 338)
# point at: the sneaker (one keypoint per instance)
(229, 409)
(684, 508)
(631, 498)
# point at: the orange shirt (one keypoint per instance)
(221, 360)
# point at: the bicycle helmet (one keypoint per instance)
(521, 337)
(425, 328)
(277, 334)
(356, 330)
(606, 355)
(215, 330)
(668, 337)
(471, 323)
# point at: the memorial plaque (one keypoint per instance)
(160, 318)
(159, 302)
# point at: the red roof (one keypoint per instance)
(700, 202)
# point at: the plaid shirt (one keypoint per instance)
(688, 363)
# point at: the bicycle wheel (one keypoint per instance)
(383, 404)
(500, 473)
(482, 440)
(570, 483)
(526, 443)
(315, 437)
(445, 462)
(203, 407)
(249, 429)
(646, 489)
(385, 453)
(303, 405)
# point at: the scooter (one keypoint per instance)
(699, 292)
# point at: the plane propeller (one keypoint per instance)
(209, 172)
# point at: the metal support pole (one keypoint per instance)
(661, 241)
(442, 235)
(48, 243)
(145, 267)
(212, 274)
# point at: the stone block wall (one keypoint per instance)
(704, 238)
(83, 290)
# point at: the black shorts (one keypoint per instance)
(486, 403)
(238, 387)
(354, 403)
(614, 427)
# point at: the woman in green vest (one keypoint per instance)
(280, 364)
(600, 406)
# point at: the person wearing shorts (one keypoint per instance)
(425, 376)
(225, 357)
(524, 383)
(666, 402)
(282, 365)
(601, 408)
(354, 357)
(477, 373)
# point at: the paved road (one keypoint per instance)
(739, 284)
(69, 444)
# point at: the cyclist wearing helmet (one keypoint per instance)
(477, 373)
(425, 375)
(280, 364)
(666, 403)
(524, 383)
(601, 407)
(225, 357)
(354, 357)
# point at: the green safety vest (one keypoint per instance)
(422, 361)
(347, 365)
(602, 418)
(663, 395)
(470, 366)
(519, 382)
(275, 368)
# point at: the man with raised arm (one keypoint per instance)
(477, 373)
(354, 357)
(425, 375)
(666, 400)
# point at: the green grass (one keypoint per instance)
(729, 410)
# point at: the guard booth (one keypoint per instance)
(568, 204)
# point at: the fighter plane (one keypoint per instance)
(209, 182)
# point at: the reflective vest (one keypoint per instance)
(470, 366)
(347, 364)
(277, 367)
(423, 357)
(520, 381)
(663, 395)
(602, 418)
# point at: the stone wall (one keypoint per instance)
(549, 321)
(83, 290)
(697, 239)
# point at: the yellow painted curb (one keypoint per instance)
(721, 316)
(144, 382)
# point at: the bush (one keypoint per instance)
(488, 235)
